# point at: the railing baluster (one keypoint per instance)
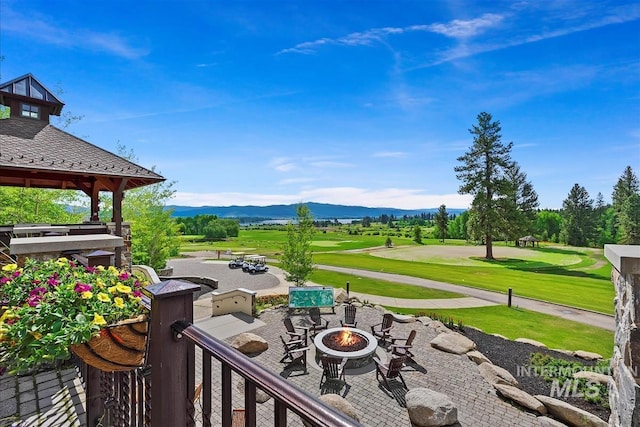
(227, 405)
(133, 396)
(249, 403)
(206, 391)
(279, 414)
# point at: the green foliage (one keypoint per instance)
(630, 221)
(269, 301)
(561, 370)
(297, 258)
(518, 207)
(417, 234)
(547, 225)
(154, 233)
(54, 304)
(34, 205)
(388, 243)
(578, 219)
(482, 174)
(457, 228)
(199, 224)
(441, 221)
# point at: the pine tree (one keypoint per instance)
(441, 221)
(577, 226)
(482, 173)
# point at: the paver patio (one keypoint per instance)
(59, 399)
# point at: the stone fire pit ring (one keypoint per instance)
(355, 359)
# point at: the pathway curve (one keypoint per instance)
(578, 315)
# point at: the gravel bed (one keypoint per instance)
(514, 357)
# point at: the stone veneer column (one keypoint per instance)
(126, 236)
(624, 388)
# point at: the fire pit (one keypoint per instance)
(354, 344)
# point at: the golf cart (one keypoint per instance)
(237, 258)
(248, 260)
(258, 265)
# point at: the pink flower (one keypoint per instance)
(81, 287)
(4, 280)
(137, 293)
(35, 296)
(90, 269)
(123, 276)
(53, 280)
(16, 274)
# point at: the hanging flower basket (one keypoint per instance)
(119, 347)
(56, 307)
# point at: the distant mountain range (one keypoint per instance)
(318, 210)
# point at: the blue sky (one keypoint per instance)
(359, 103)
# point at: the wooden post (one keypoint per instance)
(172, 359)
(95, 402)
(509, 297)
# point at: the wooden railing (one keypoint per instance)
(162, 394)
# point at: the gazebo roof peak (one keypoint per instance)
(28, 89)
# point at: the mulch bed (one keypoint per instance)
(514, 356)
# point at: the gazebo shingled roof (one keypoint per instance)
(34, 153)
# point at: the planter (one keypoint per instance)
(119, 347)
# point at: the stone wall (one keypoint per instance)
(624, 389)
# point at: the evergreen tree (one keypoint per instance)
(626, 187)
(482, 173)
(519, 206)
(441, 221)
(577, 226)
(630, 221)
(297, 258)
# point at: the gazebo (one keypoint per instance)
(523, 241)
(34, 153)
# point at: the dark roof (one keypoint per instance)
(34, 153)
(528, 239)
(28, 87)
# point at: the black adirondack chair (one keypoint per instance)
(317, 322)
(349, 317)
(403, 349)
(382, 331)
(332, 369)
(390, 371)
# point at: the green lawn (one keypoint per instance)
(518, 323)
(378, 287)
(590, 289)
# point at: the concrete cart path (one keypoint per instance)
(570, 313)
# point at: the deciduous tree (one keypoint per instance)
(297, 258)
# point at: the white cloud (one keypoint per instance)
(456, 29)
(282, 164)
(464, 29)
(295, 181)
(330, 165)
(393, 154)
(350, 196)
(36, 27)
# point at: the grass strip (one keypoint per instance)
(560, 285)
(514, 323)
(385, 288)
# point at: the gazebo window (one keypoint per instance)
(31, 111)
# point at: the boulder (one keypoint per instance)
(478, 357)
(593, 377)
(549, 422)
(340, 404)
(430, 408)
(496, 375)
(248, 343)
(524, 399)
(570, 414)
(425, 320)
(403, 318)
(587, 355)
(340, 295)
(530, 341)
(453, 343)
(567, 352)
(261, 395)
(500, 336)
(439, 327)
